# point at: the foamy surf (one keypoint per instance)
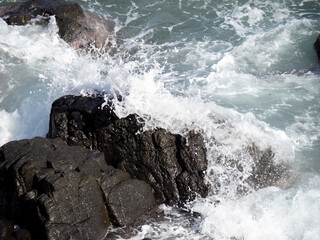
(239, 73)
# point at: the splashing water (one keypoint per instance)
(239, 72)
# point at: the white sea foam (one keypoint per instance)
(40, 67)
(270, 213)
(8, 128)
(249, 76)
(246, 80)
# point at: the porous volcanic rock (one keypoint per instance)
(58, 191)
(81, 29)
(172, 164)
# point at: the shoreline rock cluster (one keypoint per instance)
(95, 170)
(172, 164)
(57, 191)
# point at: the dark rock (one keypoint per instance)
(128, 199)
(61, 192)
(81, 29)
(265, 171)
(22, 234)
(75, 119)
(157, 157)
(254, 169)
(172, 164)
(6, 228)
(317, 46)
(130, 231)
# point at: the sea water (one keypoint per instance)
(239, 72)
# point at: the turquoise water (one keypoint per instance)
(237, 71)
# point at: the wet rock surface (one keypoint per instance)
(249, 170)
(162, 159)
(81, 29)
(265, 171)
(317, 47)
(172, 164)
(60, 192)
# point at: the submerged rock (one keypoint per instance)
(265, 172)
(317, 46)
(61, 192)
(172, 164)
(250, 169)
(81, 29)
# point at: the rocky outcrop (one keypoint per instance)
(174, 168)
(81, 29)
(172, 164)
(57, 191)
(317, 46)
(61, 192)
